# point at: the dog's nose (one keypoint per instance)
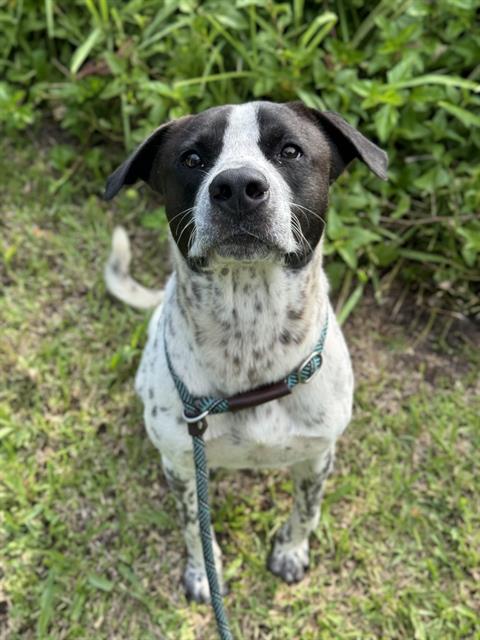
(239, 191)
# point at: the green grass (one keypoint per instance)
(90, 546)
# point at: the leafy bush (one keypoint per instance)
(405, 72)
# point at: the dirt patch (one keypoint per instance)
(398, 356)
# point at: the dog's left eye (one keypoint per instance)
(291, 151)
(192, 160)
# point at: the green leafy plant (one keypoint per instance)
(406, 73)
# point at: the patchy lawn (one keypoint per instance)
(90, 546)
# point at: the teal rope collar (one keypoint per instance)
(195, 411)
(197, 408)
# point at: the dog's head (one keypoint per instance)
(248, 182)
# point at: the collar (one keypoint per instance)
(197, 408)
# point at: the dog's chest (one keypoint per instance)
(232, 335)
(245, 327)
(265, 438)
(276, 434)
(273, 435)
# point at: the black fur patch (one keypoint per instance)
(179, 184)
(307, 176)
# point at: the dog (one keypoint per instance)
(245, 189)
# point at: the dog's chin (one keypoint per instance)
(244, 247)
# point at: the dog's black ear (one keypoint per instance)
(347, 143)
(138, 165)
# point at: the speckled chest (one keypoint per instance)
(217, 359)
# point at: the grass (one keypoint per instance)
(90, 546)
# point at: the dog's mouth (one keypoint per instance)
(242, 243)
(251, 240)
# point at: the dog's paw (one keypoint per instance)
(195, 582)
(289, 563)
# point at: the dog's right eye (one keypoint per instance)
(192, 160)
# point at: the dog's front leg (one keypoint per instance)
(289, 556)
(181, 480)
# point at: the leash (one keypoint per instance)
(204, 520)
(195, 412)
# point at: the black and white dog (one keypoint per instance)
(246, 192)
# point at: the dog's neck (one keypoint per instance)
(249, 324)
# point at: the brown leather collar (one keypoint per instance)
(260, 395)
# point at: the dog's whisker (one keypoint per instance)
(187, 210)
(296, 235)
(190, 222)
(296, 226)
(180, 222)
(192, 239)
(184, 212)
(313, 213)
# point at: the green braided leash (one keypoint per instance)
(195, 410)
(204, 520)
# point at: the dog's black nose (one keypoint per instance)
(239, 191)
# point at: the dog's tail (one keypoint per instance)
(118, 280)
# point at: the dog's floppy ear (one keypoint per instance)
(347, 143)
(138, 165)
